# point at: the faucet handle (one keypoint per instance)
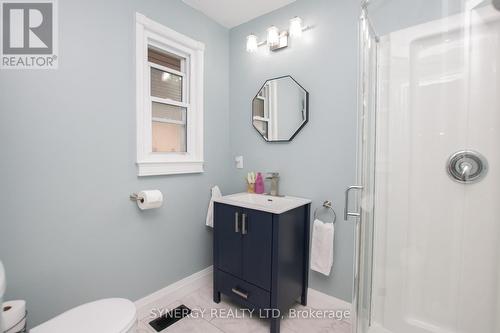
(272, 175)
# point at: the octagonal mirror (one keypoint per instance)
(280, 109)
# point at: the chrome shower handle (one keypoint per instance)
(347, 213)
(465, 170)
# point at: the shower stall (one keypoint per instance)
(427, 202)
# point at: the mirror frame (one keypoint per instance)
(303, 123)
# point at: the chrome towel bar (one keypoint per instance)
(327, 204)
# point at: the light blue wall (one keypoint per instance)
(68, 233)
(320, 162)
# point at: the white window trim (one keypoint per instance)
(149, 32)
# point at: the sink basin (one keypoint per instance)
(265, 203)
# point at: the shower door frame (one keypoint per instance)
(367, 87)
(368, 90)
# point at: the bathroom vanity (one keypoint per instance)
(261, 252)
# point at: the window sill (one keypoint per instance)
(168, 168)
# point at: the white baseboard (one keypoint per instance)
(179, 288)
(316, 299)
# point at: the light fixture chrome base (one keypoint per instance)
(282, 42)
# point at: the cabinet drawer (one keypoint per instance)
(242, 290)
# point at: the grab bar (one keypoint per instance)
(347, 213)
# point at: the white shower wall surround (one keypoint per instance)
(437, 242)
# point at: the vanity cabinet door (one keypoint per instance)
(227, 224)
(257, 232)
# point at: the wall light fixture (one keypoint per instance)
(276, 39)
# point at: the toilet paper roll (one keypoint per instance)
(149, 199)
(14, 313)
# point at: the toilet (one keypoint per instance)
(111, 315)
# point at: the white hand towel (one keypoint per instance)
(210, 214)
(322, 247)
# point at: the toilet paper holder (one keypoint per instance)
(135, 197)
(147, 199)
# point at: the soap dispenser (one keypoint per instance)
(259, 184)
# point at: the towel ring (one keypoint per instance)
(327, 204)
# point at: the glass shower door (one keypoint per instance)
(428, 253)
(366, 173)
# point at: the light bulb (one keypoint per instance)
(252, 44)
(273, 37)
(296, 27)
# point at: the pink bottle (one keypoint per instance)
(259, 184)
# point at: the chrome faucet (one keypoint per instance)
(274, 177)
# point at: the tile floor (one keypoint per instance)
(226, 317)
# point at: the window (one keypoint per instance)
(169, 100)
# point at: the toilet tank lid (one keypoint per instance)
(111, 315)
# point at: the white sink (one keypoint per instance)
(265, 203)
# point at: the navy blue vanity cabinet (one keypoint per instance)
(261, 260)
